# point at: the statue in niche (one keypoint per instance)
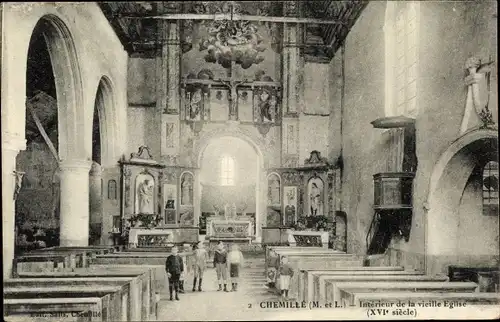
(187, 189)
(195, 105)
(291, 203)
(274, 191)
(145, 194)
(266, 100)
(316, 197)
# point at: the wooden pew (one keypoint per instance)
(95, 249)
(128, 292)
(486, 277)
(87, 251)
(57, 309)
(280, 250)
(306, 286)
(356, 299)
(46, 262)
(143, 289)
(75, 259)
(136, 258)
(118, 309)
(377, 287)
(159, 275)
(318, 280)
(314, 262)
(330, 282)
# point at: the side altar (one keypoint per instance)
(152, 213)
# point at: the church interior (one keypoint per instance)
(355, 135)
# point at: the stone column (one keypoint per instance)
(74, 216)
(95, 194)
(261, 206)
(291, 62)
(197, 198)
(11, 145)
(168, 94)
(291, 59)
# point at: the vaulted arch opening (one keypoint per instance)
(459, 209)
(230, 170)
(53, 93)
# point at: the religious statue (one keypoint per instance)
(274, 191)
(265, 106)
(187, 189)
(316, 201)
(146, 197)
(478, 83)
(195, 104)
(290, 207)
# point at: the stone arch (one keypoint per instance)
(262, 161)
(105, 104)
(69, 88)
(448, 181)
(209, 137)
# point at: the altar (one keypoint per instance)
(141, 237)
(229, 231)
(161, 236)
(158, 207)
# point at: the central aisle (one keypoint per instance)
(219, 305)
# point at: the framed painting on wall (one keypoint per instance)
(170, 203)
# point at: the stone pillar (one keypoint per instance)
(168, 94)
(291, 59)
(291, 62)
(74, 217)
(197, 198)
(95, 194)
(11, 145)
(261, 206)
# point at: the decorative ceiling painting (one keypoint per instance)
(231, 41)
(228, 45)
(236, 30)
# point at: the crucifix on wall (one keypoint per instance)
(233, 97)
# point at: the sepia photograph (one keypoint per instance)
(250, 160)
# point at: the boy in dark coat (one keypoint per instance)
(174, 267)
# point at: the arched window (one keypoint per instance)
(490, 188)
(401, 58)
(227, 171)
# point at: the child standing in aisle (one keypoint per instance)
(235, 259)
(286, 273)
